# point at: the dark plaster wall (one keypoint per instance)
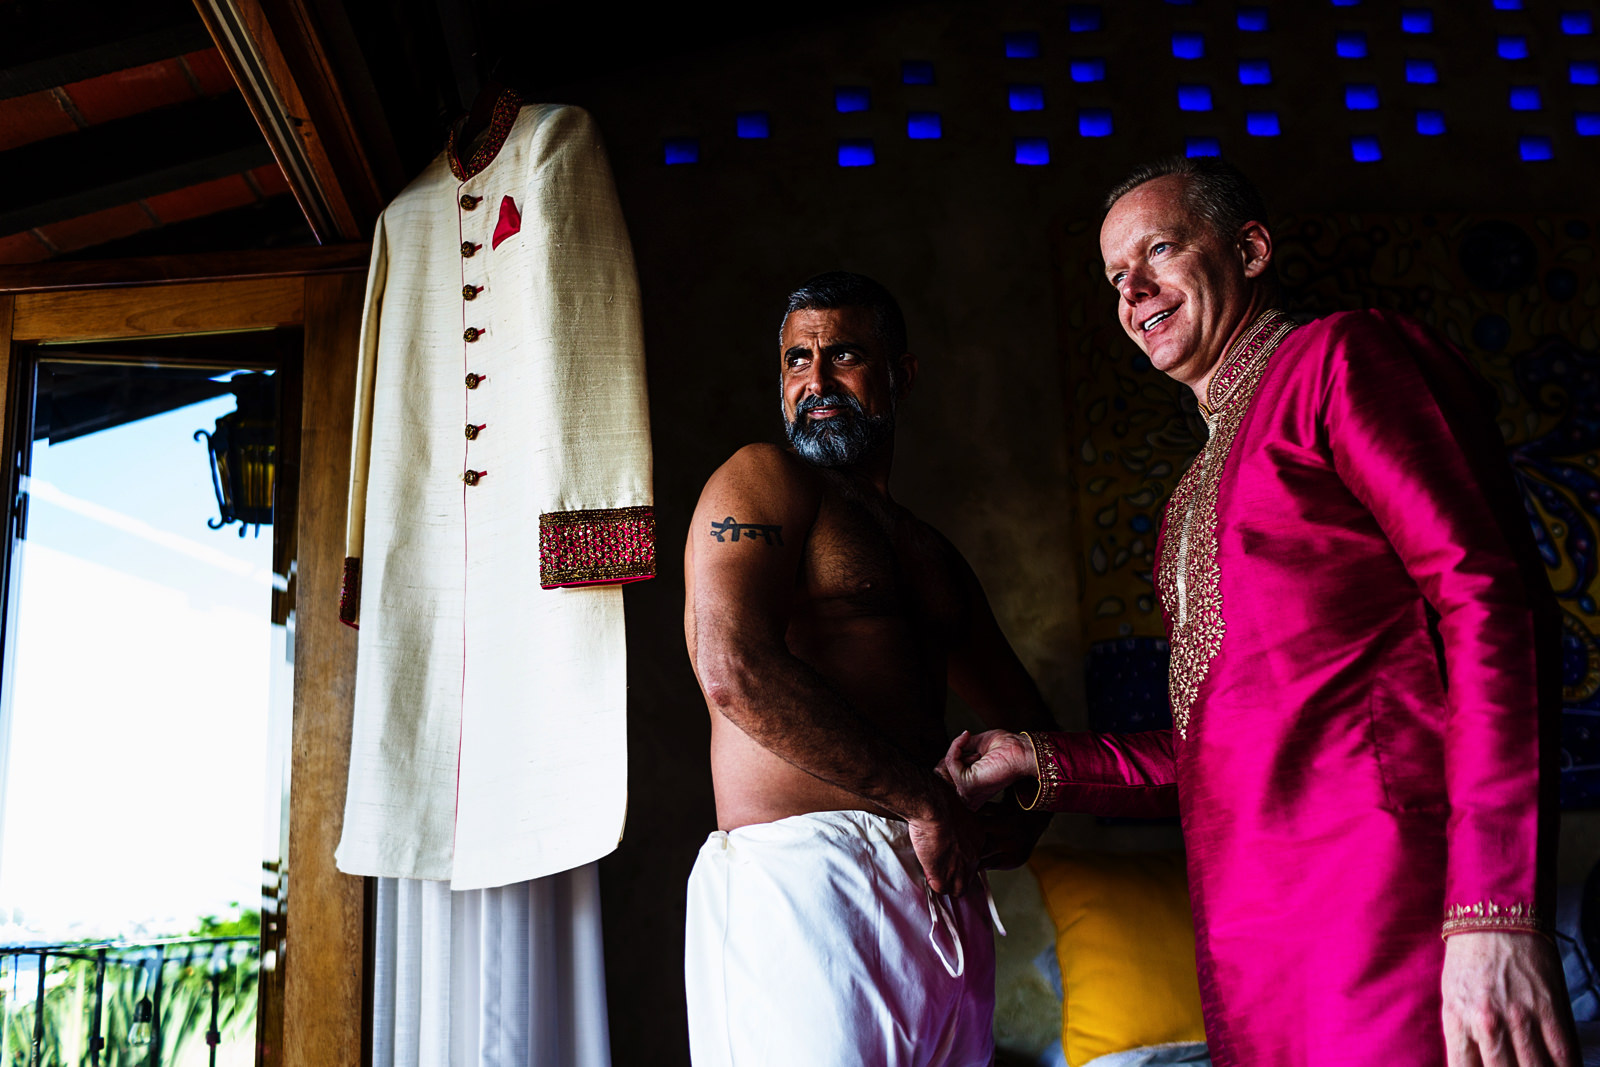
(964, 237)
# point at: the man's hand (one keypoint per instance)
(1505, 1002)
(948, 842)
(980, 767)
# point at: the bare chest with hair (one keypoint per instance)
(868, 559)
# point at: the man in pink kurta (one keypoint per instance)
(1361, 750)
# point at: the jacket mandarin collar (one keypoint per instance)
(506, 106)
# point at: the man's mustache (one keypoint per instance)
(828, 400)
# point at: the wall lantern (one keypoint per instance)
(244, 454)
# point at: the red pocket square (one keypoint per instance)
(510, 222)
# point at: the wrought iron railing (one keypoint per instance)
(123, 1004)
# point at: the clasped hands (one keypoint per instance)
(954, 839)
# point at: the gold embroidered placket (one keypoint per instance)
(1190, 579)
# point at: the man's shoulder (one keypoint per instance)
(1363, 328)
(766, 461)
(764, 471)
(1368, 339)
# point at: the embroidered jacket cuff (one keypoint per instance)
(603, 545)
(350, 594)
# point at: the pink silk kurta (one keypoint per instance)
(1348, 540)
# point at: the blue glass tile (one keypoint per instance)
(1032, 151)
(1253, 19)
(1181, 3)
(1022, 45)
(1194, 98)
(1188, 45)
(1255, 72)
(681, 150)
(1511, 46)
(1534, 147)
(1262, 123)
(1025, 97)
(1416, 20)
(857, 153)
(852, 98)
(1365, 149)
(1422, 72)
(1525, 98)
(1584, 72)
(1430, 123)
(1084, 18)
(1588, 123)
(1508, 5)
(1361, 97)
(924, 126)
(1201, 146)
(1088, 70)
(754, 125)
(1351, 44)
(1345, 3)
(1577, 23)
(916, 72)
(1094, 122)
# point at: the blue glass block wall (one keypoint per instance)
(1402, 86)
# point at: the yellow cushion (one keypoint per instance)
(1125, 940)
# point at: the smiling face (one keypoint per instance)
(839, 389)
(1185, 290)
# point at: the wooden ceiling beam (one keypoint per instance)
(43, 46)
(164, 270)
(302, 74)
(119, 162)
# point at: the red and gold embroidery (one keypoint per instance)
(350, 593)
(1487, 915)
(603, 545)
(1189, 579)
(505, 113)
(1051, 779)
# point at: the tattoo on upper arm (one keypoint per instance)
(729, 530)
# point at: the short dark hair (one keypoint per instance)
(1213, 188)
(842, 289)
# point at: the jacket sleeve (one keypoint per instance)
(1411, 437)
(361, 430)
(596, 522)
(1131, 775)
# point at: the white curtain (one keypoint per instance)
(507, 977)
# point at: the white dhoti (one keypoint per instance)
(813, 941)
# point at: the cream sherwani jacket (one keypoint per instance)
(500, 489)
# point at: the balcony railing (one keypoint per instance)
(124, 1004)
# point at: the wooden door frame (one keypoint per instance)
(321, 940)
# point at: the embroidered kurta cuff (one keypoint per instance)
(350, 594)
(1487, 916)
(599, 546)
(1049, 770)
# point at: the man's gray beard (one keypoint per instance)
(844, 440)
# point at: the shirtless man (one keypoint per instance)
(829, 918)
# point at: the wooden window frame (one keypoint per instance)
(316, 998)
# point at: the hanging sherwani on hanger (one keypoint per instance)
(500, 492)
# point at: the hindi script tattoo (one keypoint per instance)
(729, 530)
